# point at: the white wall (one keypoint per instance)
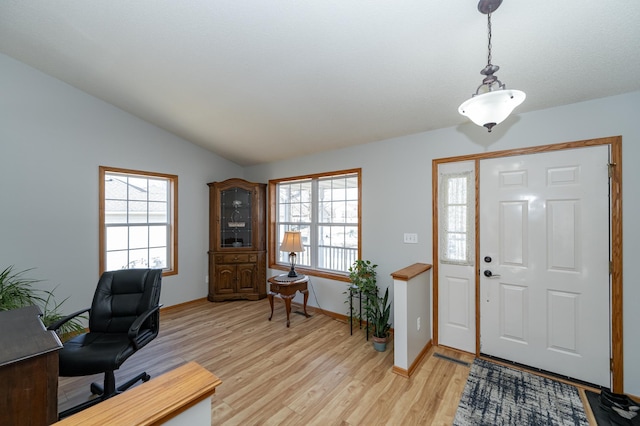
(396, 192)
(53, 137)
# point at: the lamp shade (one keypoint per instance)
(292, 242)
(491, 108)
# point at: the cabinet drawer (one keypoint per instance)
(236, 258)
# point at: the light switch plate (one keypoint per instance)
(410, 238)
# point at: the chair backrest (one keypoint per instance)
(121, 296)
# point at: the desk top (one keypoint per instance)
(22, 335)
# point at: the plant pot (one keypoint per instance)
(379, 343)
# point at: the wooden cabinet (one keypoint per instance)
(28, 369)
(237, 240)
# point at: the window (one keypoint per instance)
(325, 208)
(138, 220)
(456, 201)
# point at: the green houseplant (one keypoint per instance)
(381, 310)
(363, 278)
(17, 291)
(375, 310)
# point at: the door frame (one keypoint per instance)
(615, 173)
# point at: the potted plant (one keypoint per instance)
(16, 291)
(381, 309)
(362, 275)
(375, 310)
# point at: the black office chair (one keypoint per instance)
(124, 316)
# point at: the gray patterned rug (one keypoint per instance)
(497, 395)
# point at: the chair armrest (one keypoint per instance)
(56, 325)
(135, 327)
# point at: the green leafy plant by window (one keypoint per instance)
(376, 309)
(363, 277)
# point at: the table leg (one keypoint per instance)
(306, 297)
(270, 297)
(287, 304)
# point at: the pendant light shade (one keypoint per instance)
(493, 102)
(491, 108)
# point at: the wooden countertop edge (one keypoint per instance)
(153, 402)
(405, 274)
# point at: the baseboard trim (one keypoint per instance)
(412, 368)
(339, 317)
(181, 305)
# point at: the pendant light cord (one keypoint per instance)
(489, 32)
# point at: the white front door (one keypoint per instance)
(544, 261)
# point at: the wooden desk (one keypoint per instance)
(287, 289)
(28, 369)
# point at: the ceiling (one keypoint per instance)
(257, 81)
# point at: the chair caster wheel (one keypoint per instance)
(96, 389)
(146, 378)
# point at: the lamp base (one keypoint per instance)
(292, 262)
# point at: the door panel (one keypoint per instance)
(246, 277)
(562, 248)
(225, 279)
(513, 232)
(513, 311)
(544, 222)
(458, 289)
(563, 317)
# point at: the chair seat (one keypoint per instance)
(94, 353)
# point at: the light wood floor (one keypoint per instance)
(315, 372)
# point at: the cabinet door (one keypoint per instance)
(236, 211)
(225, 279)
(247, 277)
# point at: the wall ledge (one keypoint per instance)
(153, 402)
(405, 274)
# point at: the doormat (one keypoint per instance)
(605, 418)
(498, 395)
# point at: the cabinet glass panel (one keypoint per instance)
(235, 214)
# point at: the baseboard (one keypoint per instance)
(181, 305)
(340, 317)
(400, 372)
(416, 362)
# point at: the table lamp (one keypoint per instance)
(292, 243)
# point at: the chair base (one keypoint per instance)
(104, 392)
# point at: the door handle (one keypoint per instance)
(489, 274)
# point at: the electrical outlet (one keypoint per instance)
(418, 324)
(410, 238)
(206, 279)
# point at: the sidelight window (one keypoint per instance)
(456, 203)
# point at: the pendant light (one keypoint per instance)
(493, 102)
